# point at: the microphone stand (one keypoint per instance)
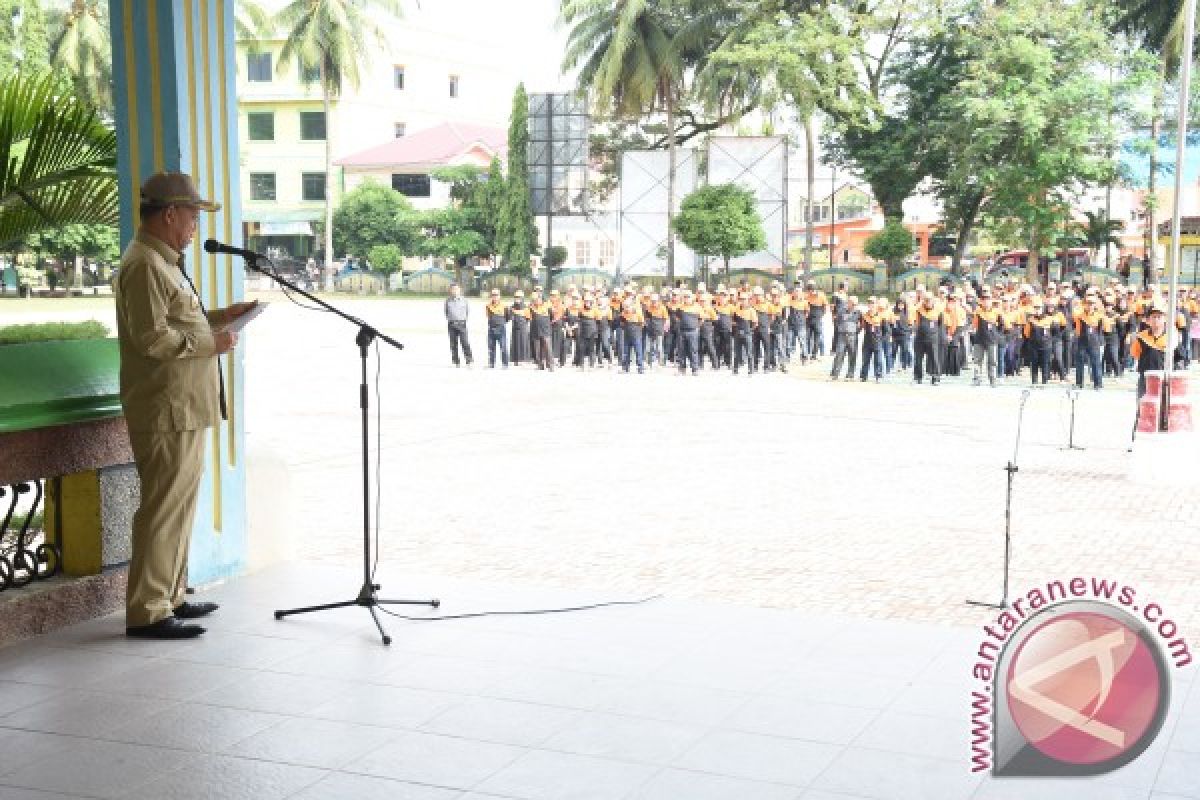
(1011, 469)
(1072, 395)
(367, 597)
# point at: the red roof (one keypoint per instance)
(438, 145)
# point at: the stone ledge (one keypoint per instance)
(46, 605)
(64, 450)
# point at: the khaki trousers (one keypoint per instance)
(169, 465)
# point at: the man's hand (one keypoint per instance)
(224, 341)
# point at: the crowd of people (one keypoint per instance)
(994, 332)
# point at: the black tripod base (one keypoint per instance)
(367, 599)
(1003, 604)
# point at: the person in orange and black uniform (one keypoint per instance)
(498, 317)
(989, 328)
(1149, 350)
(586, 333)
(708, 320)
(1090, 328)
(688, 315)
(519, 345)
(874, 330)
(603, 316)
(658, 318)
(779, 313)
(541, 331)
(1040, 333)
(798, 324)
(632, 323)
(763, 352)
(570, 348)
(723, 328)
(558, 330)
(745, 320)
(817, 304)
(928, 330)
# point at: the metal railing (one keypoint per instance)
(23, 558)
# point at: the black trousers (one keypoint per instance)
(458, 336)
(926, 352)
(542, 354)
(845, 349)
(762, 348)
(708, 348)
(743, 344)
(1039, 361)
(725, 347)
(689, 350)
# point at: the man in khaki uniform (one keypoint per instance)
(172, 393)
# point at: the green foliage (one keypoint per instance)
(479, 196)
(516, 234)
(893, 244)
(26, 45)
(372, 215)
(721, 220)
(1098, 231)
(52, 332)
(100, 242)
(1032, 109)
(448, 234)
(338, 37)
(81, 47)
(385, 257)
(555, 256)
(57, 159)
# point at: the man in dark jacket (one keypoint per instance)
(846, 321)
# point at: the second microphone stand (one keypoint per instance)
(367, 593)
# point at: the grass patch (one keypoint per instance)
(52, 332)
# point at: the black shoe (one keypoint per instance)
(166, 628)
(186, 610)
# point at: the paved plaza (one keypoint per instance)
(813, 543)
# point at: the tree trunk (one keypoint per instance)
(1035, 256)
(966, 224)
(810, 166)
(1151, 272)
(670, 188)
(329, 183)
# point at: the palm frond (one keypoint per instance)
(57, 159)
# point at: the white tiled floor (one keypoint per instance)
(668, 700)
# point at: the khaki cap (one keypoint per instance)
(164, 189)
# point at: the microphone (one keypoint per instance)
(213, 246)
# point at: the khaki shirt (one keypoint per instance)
(168, 359)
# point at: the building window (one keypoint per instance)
(608, 253)
(262, 186)
(313, 186)
(312, 125)
(400, 129)
(398, 77)
(310, 75)
(583, 253)
(260, 126)
(454, 86)
(411, 185)
(258, 67)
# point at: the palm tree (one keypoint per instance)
(58, 160)
(631, 61)
(331, 37)
(81, 45)
(1158, 26)
(1099, 231)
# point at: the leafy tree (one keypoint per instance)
(1032, 110)
(516, 234)
(447, 234)
(385, 257)
(24, 41)
(333, 37)
(371, 215)
(490, 204)
(893, 244)
(81, 46)
(721, 220)
(555, 257)
(57, 159)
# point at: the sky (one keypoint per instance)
(524, 30)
